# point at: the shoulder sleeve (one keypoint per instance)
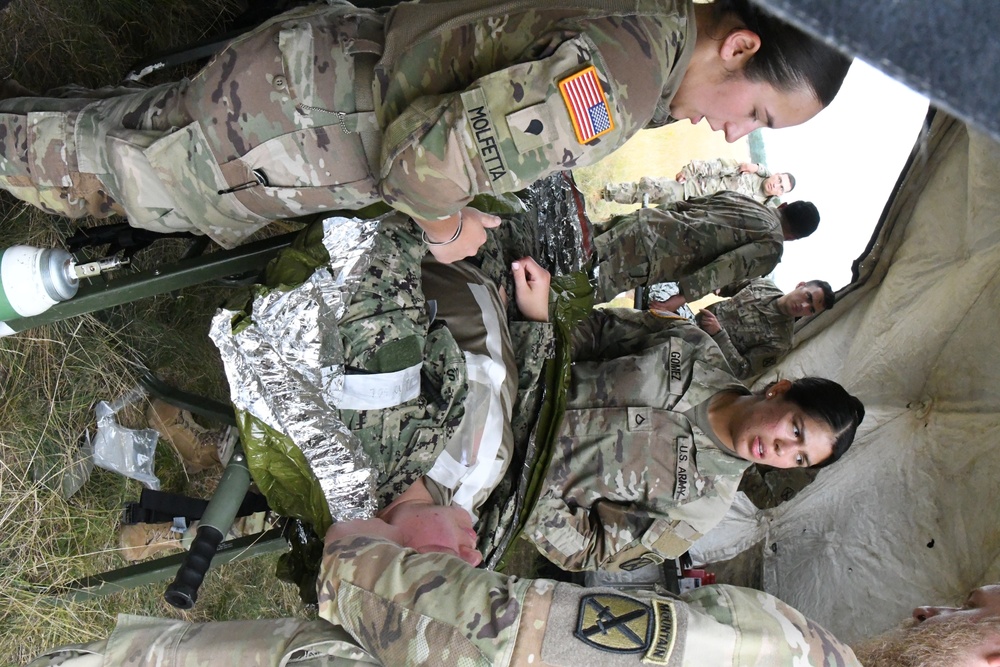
(737, 362)
(524, 119)
(582, 538)
(768, 631)
(760, 357)
(609, 333)
(394, 601)
(755, 258)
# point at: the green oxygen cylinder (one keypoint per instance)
(32, 280)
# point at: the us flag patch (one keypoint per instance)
(587, 106)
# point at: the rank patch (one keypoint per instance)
(614, 623)
(588, 107)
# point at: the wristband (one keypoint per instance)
(458, 232)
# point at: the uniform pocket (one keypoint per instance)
(51, 148)
(320, 72)
(313, 157)
(186, 167)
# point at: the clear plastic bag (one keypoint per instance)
(124, 450)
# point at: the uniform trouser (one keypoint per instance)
(270, 129)
(148, 642)
(660, 191)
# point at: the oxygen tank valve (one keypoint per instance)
(32, 280)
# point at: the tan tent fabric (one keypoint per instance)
(912, 514)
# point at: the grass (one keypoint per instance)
(51, 376)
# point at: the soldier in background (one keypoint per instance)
(332, 107)
(754, 328)
(702, 244)
(699, 178)
(401, 592)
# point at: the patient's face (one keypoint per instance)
(965, 636)
(982, 602)
(436, 529)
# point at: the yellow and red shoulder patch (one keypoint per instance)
(588, 107)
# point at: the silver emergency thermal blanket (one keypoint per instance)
(286, 367)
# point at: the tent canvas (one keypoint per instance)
(910, 515)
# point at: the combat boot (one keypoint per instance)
(198, 447)
(140, 541)
(10, 88)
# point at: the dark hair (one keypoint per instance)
(829, 298)
(791, 182)
(800, 218)
(788, 58)
(828, 402)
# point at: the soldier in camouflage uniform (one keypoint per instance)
(644, 463)
(394, 606)
(754, 328)
(332, 107)
(637, 380)
(699, 178)
(703, 244)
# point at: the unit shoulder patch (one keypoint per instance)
(614, 623)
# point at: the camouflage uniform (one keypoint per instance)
(702, 244)
(636, 474)
(334, 107)
(414, 609)
(144, 642)
(703, 177)
(755, 335)
(448, 320)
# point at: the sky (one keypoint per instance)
(846, 160)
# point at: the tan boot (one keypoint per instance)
(257, 522)
(198, 447)
(10, 88)
(143, 540)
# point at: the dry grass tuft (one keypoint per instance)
(51, 376)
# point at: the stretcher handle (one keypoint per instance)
(214, 526)
(183, 592)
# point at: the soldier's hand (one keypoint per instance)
(531, 289)
(668, 307)
(470, 238)
(680, 177)
(749, 168)
(708, 322)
